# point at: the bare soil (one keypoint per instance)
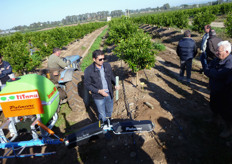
(183, 133)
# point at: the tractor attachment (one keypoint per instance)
(97, 128)
(28, 102)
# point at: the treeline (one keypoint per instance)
(74, 19)
(201, 16)
(16, 48)
(102, 15)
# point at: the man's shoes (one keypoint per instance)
(188, 80)
(181, 78)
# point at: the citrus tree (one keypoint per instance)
(136, 51)
(201, 19)
(16, 50)
(228, 24)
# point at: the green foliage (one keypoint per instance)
(120, 29)
(16, 50)
(158, 46)
(136, 51)
(18, 56)
(178, 19)
(132, 45)
(88, 60)
(201, 19)
(65, 111)
(228, 24)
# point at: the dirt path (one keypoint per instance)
(80, 47)
(213, 24)
(217, 24)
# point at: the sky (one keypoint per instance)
(25, 12)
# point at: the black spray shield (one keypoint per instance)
(132, 126)
(83, 134)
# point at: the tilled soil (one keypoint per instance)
(183, 133)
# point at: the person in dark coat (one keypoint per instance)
(186, 50)
(5, 71)
(219, 72)
(207, 29)
(99, 79)
(211, 47)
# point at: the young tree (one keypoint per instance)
(137, 52)
(201, 19)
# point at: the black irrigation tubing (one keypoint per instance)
(125, 98)
(130, 115)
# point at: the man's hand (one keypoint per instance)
(102, 92)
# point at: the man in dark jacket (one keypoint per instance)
(5, 71)
(186, 50)
(98, 78)
(211, 47)
(219, 73)
(207, 29)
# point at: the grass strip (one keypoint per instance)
(64, 111)
(96, 45)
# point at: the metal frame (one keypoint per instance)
(17, 148)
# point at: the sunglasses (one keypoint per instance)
(101, 59)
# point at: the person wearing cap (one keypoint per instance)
(186, 50)
(99, 79)
(211, 47)
(5, 71)
(219, 71)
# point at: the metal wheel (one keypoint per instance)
(74, 91)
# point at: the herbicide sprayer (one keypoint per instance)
(30, 104)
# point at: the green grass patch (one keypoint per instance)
(158, 46)
(83, 47)
(64, 111)
(96, 45)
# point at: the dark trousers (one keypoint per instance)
(217, 103)
(186, 65)
(220, 104)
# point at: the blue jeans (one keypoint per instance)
(104, 107)
(186, 65)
